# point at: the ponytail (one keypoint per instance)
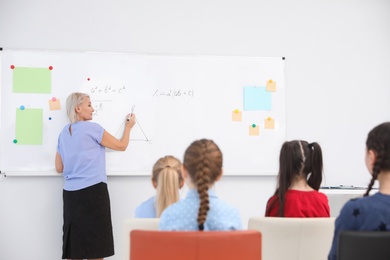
(167, 191)
(168, 179)
(315, 178)
(287, 170)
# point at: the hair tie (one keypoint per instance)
(310, 146)
(201, 227)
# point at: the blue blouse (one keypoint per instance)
(182, 215)
(146, 209)
(83, 157)
(371, 213)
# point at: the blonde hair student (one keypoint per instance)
(167, 180)
(201, 209)
(81, 157)
(371, 213)
(299, 179)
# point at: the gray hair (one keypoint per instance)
(75, 99)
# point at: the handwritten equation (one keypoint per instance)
(107, 90)
(98, 106)
(173, 93)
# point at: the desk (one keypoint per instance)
(338, 197)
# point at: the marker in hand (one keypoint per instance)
(132, 111)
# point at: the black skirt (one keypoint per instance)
(87, 223)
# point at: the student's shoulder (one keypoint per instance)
(146, 209)
(173, 217)
(356, 203)
(311, 195)
(321, 195)
(181, 205)
(361, 200)
(225, 206)
(147, 203)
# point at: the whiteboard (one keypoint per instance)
(176, 99)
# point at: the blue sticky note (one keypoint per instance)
(257, 98)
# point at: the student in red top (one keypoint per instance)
(299, 178)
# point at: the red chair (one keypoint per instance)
(195, 245)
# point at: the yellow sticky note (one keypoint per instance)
(254, 129)
(270, 86)
(54, 104)
(269, 123)
(237, 115)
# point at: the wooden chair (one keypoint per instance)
(364, 245)
(195, 245)
(294, 238)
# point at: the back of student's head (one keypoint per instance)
(203, 162)
(298, 159)
(74, 99)
(378, 141)
(168, 179)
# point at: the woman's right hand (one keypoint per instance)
(130, 120)
(112, 142)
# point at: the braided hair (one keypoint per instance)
(203, 162)
(378, 141)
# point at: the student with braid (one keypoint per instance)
(167, 180)
(299, 178)
(371, 213)
(201, 209)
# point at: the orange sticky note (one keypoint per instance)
(254, 129)
(54, 104)
(237, 115)
(270, 86)
(269, 123)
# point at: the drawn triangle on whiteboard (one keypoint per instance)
(136, 134)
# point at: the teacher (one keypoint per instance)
(87, 229)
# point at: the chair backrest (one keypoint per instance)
(136, 223)
(195, 245)
(294, 238)
(363, 245)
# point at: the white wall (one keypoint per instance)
(337, 86)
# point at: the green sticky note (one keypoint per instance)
(29, 126)
(31, 80)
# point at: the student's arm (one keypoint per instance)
(111, 142)
(59, 164)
